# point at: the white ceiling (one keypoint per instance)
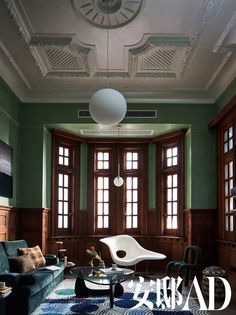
(163, 51)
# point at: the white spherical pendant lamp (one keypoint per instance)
(107, 106)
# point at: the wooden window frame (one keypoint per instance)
(73, 172)
(117, 215)
(171, 140)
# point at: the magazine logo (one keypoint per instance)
(168, 294)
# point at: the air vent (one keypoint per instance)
(161, 59)
(113, 132)
(129, 114)
(60, 59)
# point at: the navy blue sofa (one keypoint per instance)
(29, 289)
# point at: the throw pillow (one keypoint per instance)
(21, 264)
(35, 254)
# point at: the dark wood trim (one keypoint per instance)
(74, 137)
(168, 136)
(221, 114)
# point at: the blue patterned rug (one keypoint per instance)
(64, 302)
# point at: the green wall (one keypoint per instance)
(9, 133)
(199, 183)
(25, 128)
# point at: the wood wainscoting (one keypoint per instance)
(200, 230)
(227, 260)
(9, 223)
(35, 226)
(76, 247)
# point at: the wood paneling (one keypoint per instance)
(8, 223)
(227, 260)
(35, 226)
(200, 230)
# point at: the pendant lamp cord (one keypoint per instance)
(107, 39)
(118, 151)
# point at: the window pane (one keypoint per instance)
(106, 222)
(100, 195)
(100, 222)
(169, 153)
(135, 209)
(60, 180)
(174, 207)
(106, 156)
(174, 222)
(169, 208)
(65, 207)
(65, 222)
(100, 165)
(61, 151)
(169, 222)
(129, 208)
(175, 194)
(66, 161)
(128, 222)
(129, 182)
(226, 171)
(169, 194)
(129, 156)
(169, 181)
(129, 165)
(175, 151)
(135, 222)
(175, 180)
(100, 156)
(231, 223)
(60, 160)
(129, 195)
(135, 165)
(60, 221)
(100, 183)
(106, 165)
(60, 194)
(231, 169)
(66, 179)
(66, 152)
(106, 182)
(106, 208)
(135, 183)
(175, 161)
(65, 194)
(100, 208)
(60, 208)
(106, 196)
(135, 196)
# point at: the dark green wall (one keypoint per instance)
(9, 133)
(24, 127)
(199, 183)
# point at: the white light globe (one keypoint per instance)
(118, 181)
(107, 107)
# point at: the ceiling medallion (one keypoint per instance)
(108, 13)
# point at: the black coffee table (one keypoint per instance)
(104, 277)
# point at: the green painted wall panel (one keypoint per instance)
(203, 169)
(226, 96)
(9, 132)
(31, 167)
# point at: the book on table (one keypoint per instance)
(51, 268)
(4, 291)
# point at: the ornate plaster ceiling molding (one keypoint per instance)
(61, 55)
(54, 55)
(160, 56)
(108, 13)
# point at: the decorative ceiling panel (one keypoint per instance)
(185, 48)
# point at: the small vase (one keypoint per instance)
(101, 264)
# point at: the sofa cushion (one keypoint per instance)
(11, 247)
(35, 254)
(29, 279)
(21, 264)
(4, 265)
